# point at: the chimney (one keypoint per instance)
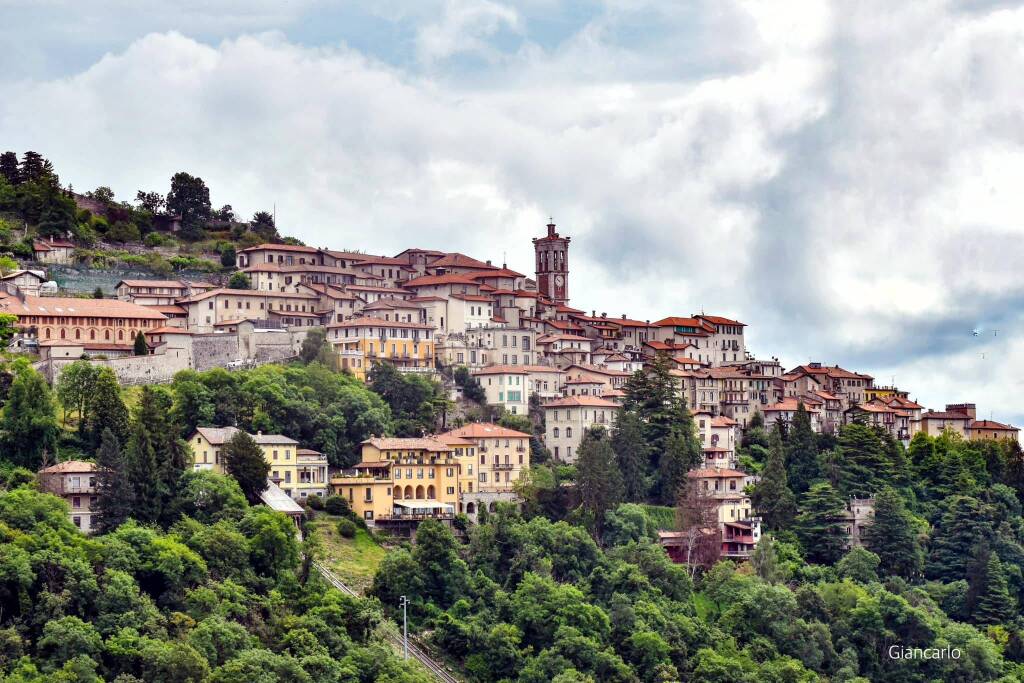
(623, 316)
(488, 261)
(259, 432)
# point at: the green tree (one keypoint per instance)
(8, 327)
(962, 524)
(772, 498)
(243, 459)
(28, 424)
(994, 605)
(819, 526)
(599, 481)
(443, 573)
(104, 408)
(9, 168)
(98, 293)
(864, 466)
(682, 452)
(74, 386)
(892, 537)
(631, 455)
(262, 224)
(141, 348)
(239, 280)
(113, 487)
(189, 198)
(859, 565)
(228, 256)
(7, 265)
(802, 451)
(314, 345)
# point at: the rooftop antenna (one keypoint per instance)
(995, 333)
(504, 259)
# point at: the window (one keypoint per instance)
(76, 502)
(77, 521)
(556, 432)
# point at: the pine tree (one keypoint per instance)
(140, 466)
(243, 459)
(820, 524)
(891, 536)
(141, 348)
(994, 604)
(1013, 466)
(598, 481)
(962, 525)
(98, 293)
(772, 497)
(104, 409)
(863, 466)
(9, 167)
(631, 456)
(28, 423)
(113, 487)
(802, 451)
(682, 452)
(33, 167)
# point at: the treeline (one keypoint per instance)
(222, 595)
(532, 601)
(30, 188)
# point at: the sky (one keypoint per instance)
(844, 177)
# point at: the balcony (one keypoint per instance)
(83, 489)
(502, 466)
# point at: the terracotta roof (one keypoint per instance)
(574, 401)
(18, 273)
(831, 371)
(472, 297)
(723, 421)
(600, 371)
(69, 467)
(452, 440)
(47, 245)
(390, 303)
(168, 309)
(168, 330)
(428, 298)
(871, 407)
(713, 472)
(787, 404)
(368, 321)
(718, 320)
(581, 380)
(245, 292)
(498, 272)
(993, 425)
(945, 415)
(381, 290)
(221, 435)
(280, 247)
(502, 370)
(386, 443)
(79, 308)
(178, 284)
(329, 292)
(457, 260)
(384, 261)
(676, 321)
(446, 279)
(480, 430)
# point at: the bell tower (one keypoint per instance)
(552, 252)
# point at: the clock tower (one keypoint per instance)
(553, 265)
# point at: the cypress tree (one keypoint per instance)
(820, 524)
(891, 536)
(599, 481)
(104, 409)
(802, 451)
(631, 455)
(772, 498)
(682, 452)
(141, 348)
(243, 459)
(1013, 466)
(994, 604)
(113, 486)
(140, 466)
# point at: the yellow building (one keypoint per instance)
(464, 451)
(299, 472)
(402, 480)
(885, 393)
(364, 341)
(502, 454)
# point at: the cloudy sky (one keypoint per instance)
(844, 177)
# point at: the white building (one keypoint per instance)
(566, 420)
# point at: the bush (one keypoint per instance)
(314, 502)
(347, 528)
(124, 232)
(336, 505)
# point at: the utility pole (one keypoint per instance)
(405, 627)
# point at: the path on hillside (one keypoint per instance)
(434, 667)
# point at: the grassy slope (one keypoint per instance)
(354, 560)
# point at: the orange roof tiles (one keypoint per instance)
(578, 401)
(79, 308)
(486, 430)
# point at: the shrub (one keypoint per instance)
(336, 505)
(314, 502)
(347, 528)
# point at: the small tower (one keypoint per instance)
(553, 265)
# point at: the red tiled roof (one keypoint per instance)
(79, 308)
(486, 430)
(575, 401)
(368, 321)
(280, 247)
(712, 472)
(502, 370)
(717, 320)
(457, 260)
(69, 466)
(992, 425)
(446, 279)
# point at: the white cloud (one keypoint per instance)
(847, 190)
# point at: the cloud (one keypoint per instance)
(809, 168)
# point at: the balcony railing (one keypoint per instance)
(502, 466)
(79, 489)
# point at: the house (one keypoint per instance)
(850, 387)
(507, 386)
(786, 409)
(402, 480)
(75, 482)
(719, 436)
(957, 417)
(858, 515)
(26, 281)
(93, 320)
(53, 251)
(299, 472)
(503, 454)
(990, 429)
(567, 419)
(158, 292)
(207, 309)
(879, 414)
(362, 342)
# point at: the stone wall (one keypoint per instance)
(214, 350)
(84, 279)
(155, 369)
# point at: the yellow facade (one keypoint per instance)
(501, 455)
(402, 479)
(299, 472)
(364, 341)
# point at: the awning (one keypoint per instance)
(429, 504)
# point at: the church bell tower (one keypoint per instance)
(553, 265)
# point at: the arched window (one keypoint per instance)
(120, 335)
(92, 334)
(470, 508)
(63, 333)
(408, 492)
(430, 491)
(47, 332)
(568, 432)
(419, 492)
(556, 432)
(106, 335)
(78, 333)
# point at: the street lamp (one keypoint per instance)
(405, 626)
